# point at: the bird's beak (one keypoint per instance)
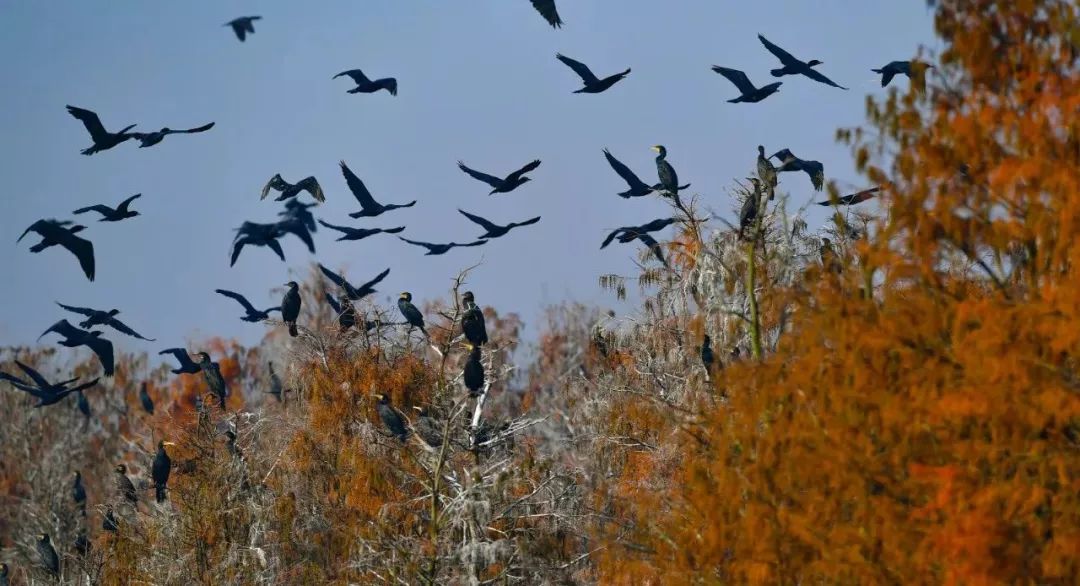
(654, 148)
(167, 444)
(418, 408)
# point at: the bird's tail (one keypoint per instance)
(293, 331)
(159, 492)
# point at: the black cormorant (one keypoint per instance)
(257, 235)
(894, 68)
(290, 307)
(49, 560)
(707, 357)
(145, 399)
(437, 249)
(187, 365)
(74, 337)
(360, 233)
(505, 185)
(750, 206)
(367, 86)
(547, 9)
(766, 172)
(393, 420)
(412, 315)
(55, 233)
(160, 470)
(355, 293)
(45, 392)
(638, 188)
(97, 317)
(789, 162)
(214, 381)
(103, 139)
(473, 373)
(750, 92)
(300, 211)
(793, 66)
(669, 180)
(472, 322)
(78, 492)
(298, 228)
(108, 214)
(149, 139)
(108, 521)
(426, 428)
(627, 234)
(593, 85)
(243, 26)
(854, 198)
(344, 309)
(289, 190)
(493, 230)
(82, 403)
(124, 486)
(369, 207)
(250, 313)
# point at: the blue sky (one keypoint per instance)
(478, 81)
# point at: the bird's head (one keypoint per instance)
(405, 295)
(3, 569)
(43, 537)
(754, 180)
(165, 129)
(659, 149)
(468, 297)
(113, 312)
(291, 285)
(814, 62)
(77, 475)
(381, 397)
(161, 444)
(120, 469)
(525, 179)
(420, 410)
(201, 357)
(760, 150)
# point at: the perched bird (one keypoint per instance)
(472, 322)
(103, 139)
(49, 560)
(187, 365)
(97, 317)
(276, 388)
(149, 139)
(593, 85)
(473, 373)
(290, 307)
(214, 381)
(288, 190)
(437, 249)
(749, 210)
(627, 234)
(750, 92)
(547, 9)
(124, 486)
(230, 444)
(257, 235)
(354, 293)
(344, 309)
(74, 337)
(298, 228)
(894, 68)
(669, 180)
(82, 543)
(160, 470)
(55, 233)
(82, 403)
(367, 86)
(299, 211)
(854, 198)
(789, 162)
(505, 185)
(243, 26)
(78, 492)
(707, 357)
(3, 574)
(793, 66)
(766, 172)
(493, 230)
(108, 521)
(251, 314)
(121, 212)
(393, 420)
(360, 233)
(638, 188)
(370, 207)
(829, 259)
(426, 428)
(412, 315)
(145, 399)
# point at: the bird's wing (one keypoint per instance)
(861, 196)
(238, 28)
(654, 246)
(99, 208)
(65, 329)
(736, 77)
(127, 202)
(341, 229)
(83, 386)
(477, 243)
(784, 57)
(611, 237)
(816, 171)
(376, 280)
(426, 245)
(123, 328)
(80, 310)
(547, 9)
(32, 228)
(274, 245)
(33, 374)
(238, 245)
(17, 382)
(485, 224)
(490, 180)
(202, 128)
(82, 249)
(356, 75)
(312, 186)
(817, 76)
(333, 303)
(579, 68)
(628, 176)
(301, 231)
(517, 174)
(238, 298)
(335, 278)
(528, 222)
(180, 354)
(90, 120)
(104, 350)
(358, 189)
(784, 156)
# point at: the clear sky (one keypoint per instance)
(478, 81)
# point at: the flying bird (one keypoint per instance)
(638, 188)
(360, 233)
(149, 139)
(187, 365)
(750, 92)
(627, 234)
(894, 68)
(472, 321)
(257, 235)
(547, 9)
(121, 212)
(493, 230)
(354, 293)
(412, 315)
(298, 228)
(794, 66)
(55, 233)
(308, 184)
(290, 306)
(393, 420)
(243, 26)
(852, 199)
(299, 211)
(344, 309)
(505, 185)
(593, 85)
(251, 314)
(789, 162)
(97, 317)
(437, 249)
(73, 337)
(40, 388)
(371, 208)
(367, 86)
(103, 139)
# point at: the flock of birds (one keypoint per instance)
(296, 219)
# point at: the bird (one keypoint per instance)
(3, 574)
(412, 315)
(707, 357)
(750, 205)
(852, 199)
(74, 337)
(654, 247)
(124, 486)
(367, 86)
(230, 444)
(493, 230)
(794, 66)
(789, 162)
(121, 212)
(251, 314)
(627, 234)
(299, 211)
(78, 492)
(472, 321)
(437, 249)
(360, 233)
(55, 233)
(149, 139)
(103, 139)
(160, 470)
(83, 404)
(49, 560)
(214, 381)
(45, 392)
(288, 190)
(298, 228)
(290, 307)
(506, 184)
(187, 365)
(82, 543)
(370, 207)
(344, 309)
(547, 9)
(393, 420)
(276, 388)
(593, 85)
(97, 317)
(669, 180)
(766, 172)
(108, 521)
(257, 235)
(354, 293)
(473, 373)
(145, 400)
(750, 93)
(243, 26)
(638, 188)
(426, 428)
(894, 68)
(829, 260)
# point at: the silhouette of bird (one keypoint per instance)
(412, 315)
(638, 188)
(473, 373)
(103, 139)
(789, 162)
(749, 92)
(393, 420)
(344, 309)
(47, 393)
(354, 293)
(437, 249)
(707, 357)
(187, 365)
(297, 228)
(55, 233)
(78, 492)
(4, 574)
(426, 428)
(360, 233)
(214, 381)
(108, 214)
(251, 314)
(494, 230)
(547, 9)
(149, 139)
(288, 190)
(627, 234)
(257, 235)
(108, 521)
(73, 337)
(653, 247)
(145, 400)
(749, 210)
(766, 172)
(49, 560)
(124, 486)
(83, 404)
(97, 317)
(299, 211)
(277, 389)
(593, 85)
(243, 26)
(506, 184)
(854, 198)
(669, 180)
(907, 68)
(160, 470)
(82, 543)
(829, 260)
(370, 207)
(793, 66)
(367, 86)
(290, 306)
(472, 322)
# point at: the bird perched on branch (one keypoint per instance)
(103, 139)
(370, 207)
(750, 92)
(708, 359)
(243, 26)
(214, 381)
(124, 486)
(638, 188)
(472, 321)
(78, 492)
(55, 233)
(145, 400)
(473, 373)
(251, 314)
(344, 309)
(789, 162)
(749, 210)
(669, 180)
(793, 66)
(766, 172)
(149, 139)
(426, 428)
(412, 315)
(593, 85)
(493, 230)
(289, 190)
(506, 184)
(367, 86)
(393, 420)
(97, 317)
(49, 560)
(290, 306)
(437, 249)
(187, 365)
(73, 337)
(360, 233)
(160, 470)
(121, 212)
(854, 198)
(547, 9)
